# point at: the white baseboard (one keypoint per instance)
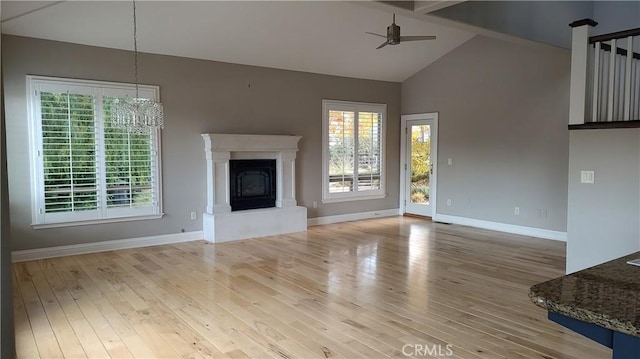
(503, 227)
(103, 246)
(352, 217)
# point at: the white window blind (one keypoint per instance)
(369, 150)
(341, 150)
(68, 152)
(83, 168)
(129, 166)
(353, 148)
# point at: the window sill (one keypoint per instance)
(354, 198)
(96, 221)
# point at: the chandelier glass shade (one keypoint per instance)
(135, 114)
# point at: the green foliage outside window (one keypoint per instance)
(420, 159)
(420, 166)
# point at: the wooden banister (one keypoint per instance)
(614, 35)
(605, 83)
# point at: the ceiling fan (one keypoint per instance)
(393, 35)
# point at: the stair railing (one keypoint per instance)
(605, 75)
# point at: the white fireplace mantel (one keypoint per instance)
(220, 224)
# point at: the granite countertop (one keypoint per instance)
(607, 295)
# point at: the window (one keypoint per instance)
(353, 151)
(83, 169)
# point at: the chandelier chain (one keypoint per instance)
(135, 48)
(137, 115)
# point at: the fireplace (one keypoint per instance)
(251, 187)
(253, 184)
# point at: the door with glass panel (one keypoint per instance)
(419, 169)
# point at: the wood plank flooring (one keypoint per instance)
(390, 287)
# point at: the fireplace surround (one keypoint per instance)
(220, 222)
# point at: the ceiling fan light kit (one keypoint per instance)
(393, 35)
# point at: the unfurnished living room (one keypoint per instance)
(320, 179)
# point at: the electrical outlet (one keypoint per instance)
(516, 211)
(448, 202)
(315, 204)
(194, 215)
(450, 161)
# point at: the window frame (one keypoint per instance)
(103, 214)
(356, 107)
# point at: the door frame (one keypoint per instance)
(403, 157)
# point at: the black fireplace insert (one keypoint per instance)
(253, 184)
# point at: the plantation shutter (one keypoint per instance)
(369, 146)
(68, 130)
(341, 150)
(129, 167)
(355, 143)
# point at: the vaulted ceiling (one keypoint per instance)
(326, 37)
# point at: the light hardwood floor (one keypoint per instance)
(365, 289)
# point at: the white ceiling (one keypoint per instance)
(326, 37)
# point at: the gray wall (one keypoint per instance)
(7, 335)
(198, 96)
(545, 21)
(604, 217)
(503, 112)
(615, 16)
(542, 21)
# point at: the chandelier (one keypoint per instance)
(137, 115)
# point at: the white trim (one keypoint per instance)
(317, 221)
(503, 227)
(146, 89)
(429, 116)
(222, 142)
(354, 197)
(102, 214)
(34, 144)
(103, 246)
(96, 221)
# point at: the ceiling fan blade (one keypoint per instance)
(416, 38)
(383, 45)
(373, 33)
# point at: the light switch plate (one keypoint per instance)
(587, 177)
